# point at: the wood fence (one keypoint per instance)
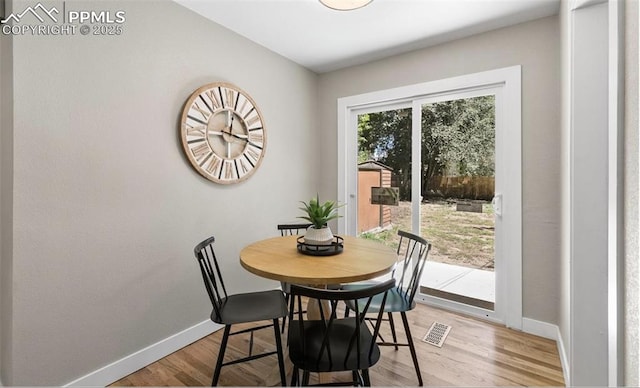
(466, 187)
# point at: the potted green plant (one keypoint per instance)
(318, 214)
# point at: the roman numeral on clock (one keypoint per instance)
(243, 164)
(252, 121)
(215, 102)
(204, 112)
(230, 94)
(199, 130)
(251, 162)
(243, 107)
(200, 151)
(203, 161)
(213, 165)
(252, 155)
(196, 119)
(235, 164)
(255, 137)
(228, 169)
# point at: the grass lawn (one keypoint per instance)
(460, 238)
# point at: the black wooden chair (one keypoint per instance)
(239, 308)
(290, 230)
(413, 250)
(335, 344)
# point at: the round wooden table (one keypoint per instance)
(278, 259)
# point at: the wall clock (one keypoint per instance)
(223, 133)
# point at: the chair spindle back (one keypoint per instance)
(414, 250)
(292, 229)
(211, 275)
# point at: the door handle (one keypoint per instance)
(497, 205)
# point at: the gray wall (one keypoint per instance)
(6, 195)
(106, 207)
(535, 46)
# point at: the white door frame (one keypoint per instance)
(509, 79)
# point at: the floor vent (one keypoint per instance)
(437, 334)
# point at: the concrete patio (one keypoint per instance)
(463, 284)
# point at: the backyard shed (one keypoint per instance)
(371, 217)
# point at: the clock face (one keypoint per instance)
(223, 133)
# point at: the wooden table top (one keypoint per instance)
(278, 259)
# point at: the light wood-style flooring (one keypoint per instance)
(475, 353)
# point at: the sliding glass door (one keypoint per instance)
(435, 164)
(457, 186)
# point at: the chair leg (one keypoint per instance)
(294, 377)
(365, 378)
(283, 378)
(407, 330)
(223, 347)
(355, 378)
(305, 378)
(393, 330)
(250, 343)
(284, 319)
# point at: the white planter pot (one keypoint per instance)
(322, 236)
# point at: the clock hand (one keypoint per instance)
(242, 137)
(223, 132)
(230, 127)
(231, 121)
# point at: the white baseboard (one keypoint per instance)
(131, 363)
(550, 331)
(539, 328)
(564, 359)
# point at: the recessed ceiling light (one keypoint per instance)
(345, 5)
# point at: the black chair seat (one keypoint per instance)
(250, 307)
(304, 352)
(396, 300)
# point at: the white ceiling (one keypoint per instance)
(322, 39)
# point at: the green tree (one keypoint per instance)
(458, 138)
(471, 132)
(386, 137)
